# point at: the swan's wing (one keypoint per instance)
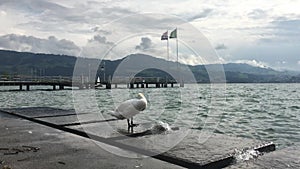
(116, 114)
(140, 105)
(130, 108)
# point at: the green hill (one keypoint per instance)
(30, 64)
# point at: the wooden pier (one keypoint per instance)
(141, 82)
(60, 84)
(27, 84)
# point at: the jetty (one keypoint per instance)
(60, 83)
(43, 137)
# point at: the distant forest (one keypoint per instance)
(14, 64)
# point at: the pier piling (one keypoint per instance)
(61, 87)
(108, 86)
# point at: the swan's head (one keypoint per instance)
(141, 96)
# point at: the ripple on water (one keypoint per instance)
(295, 107)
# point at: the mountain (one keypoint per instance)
(24, 63)
(14, 63)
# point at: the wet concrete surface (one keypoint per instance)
(39, 111)
(27, 145)
(197, 147)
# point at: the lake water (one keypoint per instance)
(269, 112)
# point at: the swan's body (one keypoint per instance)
(130, 108)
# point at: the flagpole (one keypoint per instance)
(167, 54)
(177, 56)
(179, 71)
(168, 48)
(177, 47)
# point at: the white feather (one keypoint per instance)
(130, 108)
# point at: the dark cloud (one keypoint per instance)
(257, 14)
(99, 30)
(203, 14)
(33, 6)
(148, 22)
(221, 47)
(271, 53)
(51, 45)
(145, 44)
(44, 15)
(100, 39)
(287, 25)
(117, 11)
(282, 31)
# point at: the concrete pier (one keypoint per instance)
(28, 145)
(65, 142)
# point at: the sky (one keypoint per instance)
(258, 32)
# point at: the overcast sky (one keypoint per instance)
(258, 32)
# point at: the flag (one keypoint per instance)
(173, 34)
(164, 36)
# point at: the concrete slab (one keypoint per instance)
(39, 111)
(28, 145)
(197, 147)
(71, 119)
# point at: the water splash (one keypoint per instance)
(160, 127)
(245, 155)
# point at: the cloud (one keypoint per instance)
(290, 25)
(44, 16)
(270, 35)
(99, 30)
(298, 62)
(282, 31)
(253, 63)
(145, 44)
(3, 13)
(221, 47)
(100, 39)
(257, 14)
(203, 14)
(52, 45)
(32, 6)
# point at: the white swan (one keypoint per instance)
(130, 108)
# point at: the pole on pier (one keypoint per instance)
(61, 87)
(108, 85)
(131, 85)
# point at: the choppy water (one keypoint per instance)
(269, 112)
